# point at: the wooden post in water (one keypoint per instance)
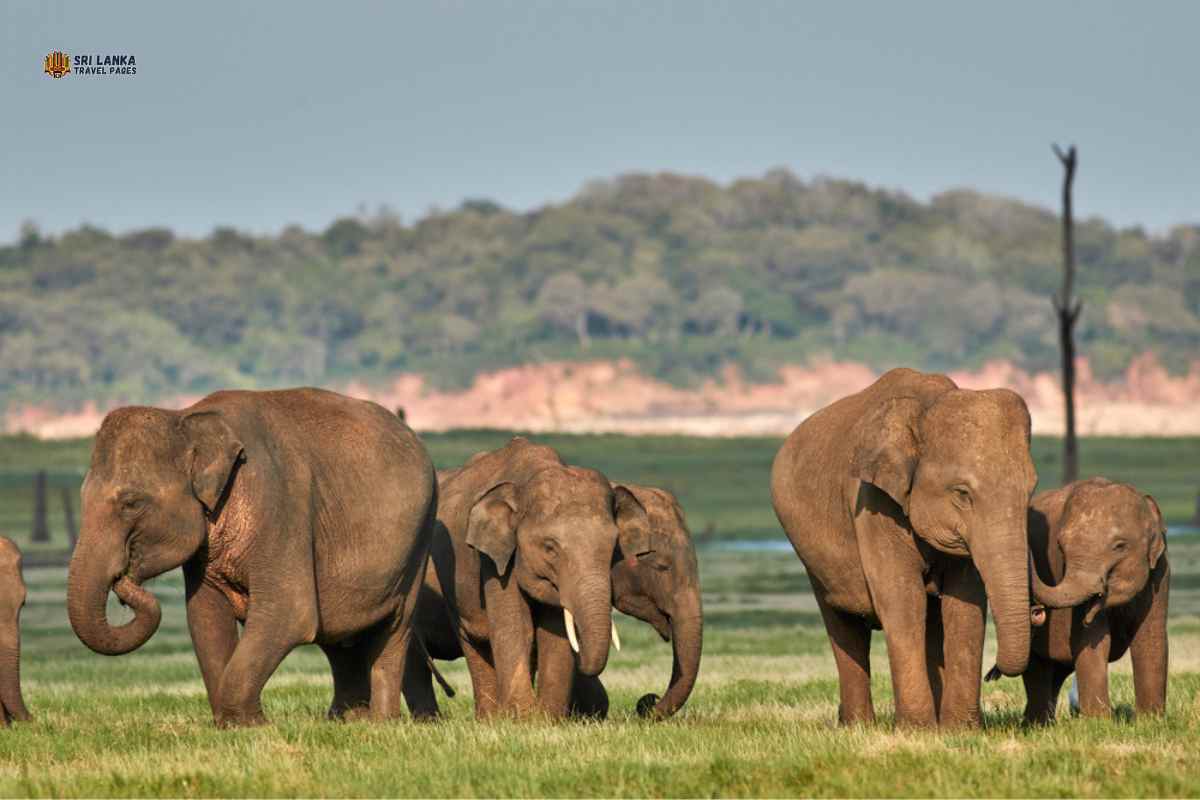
(41, 530)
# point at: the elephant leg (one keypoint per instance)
(264, 644)
(555, 662)
(589, 697)
(963, 618)
(900, 601)
(1091, 645)
(483, 678)
(1148, 650)
(389, 654)
(1041, 694)
(1061, 673)
(418, 683)
(511, 635)
(850, 638)
(351, 679)
(934, 651)
(213, 628)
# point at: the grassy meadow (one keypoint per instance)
(759, 723)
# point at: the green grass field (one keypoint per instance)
(760, 721)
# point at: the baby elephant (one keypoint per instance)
(1103, 546)
(12, 597)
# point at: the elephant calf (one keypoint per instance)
(1102, 545)
(12, 598)
(304, 515)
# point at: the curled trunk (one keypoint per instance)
(591, 605)
(687, 640)
(1075, 588)
(89, 580)
(1004, 566)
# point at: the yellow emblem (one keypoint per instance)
(58, 64)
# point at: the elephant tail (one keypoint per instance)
(446, 687)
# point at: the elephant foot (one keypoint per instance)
(233, 719)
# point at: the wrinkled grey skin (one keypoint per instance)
(907, 503)
(12, 599)
(1099, 553)
(521, 535)
(660, 587)
(303, 515)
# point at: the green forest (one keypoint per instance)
(681, 274)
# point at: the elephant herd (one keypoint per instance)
(306, 517)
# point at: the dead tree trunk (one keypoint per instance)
(69, 516)
(41, 530)
(1067, 309)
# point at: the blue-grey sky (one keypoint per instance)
(258, 115)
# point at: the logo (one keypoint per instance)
(58, 64)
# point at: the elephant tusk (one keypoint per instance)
(616, 639)
(569, 619)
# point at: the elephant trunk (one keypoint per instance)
(687, 640)
(90, 576)
(1075, 588)
(12, 704)
(1003, 564)
(591, 609)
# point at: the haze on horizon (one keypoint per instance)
(258, 116)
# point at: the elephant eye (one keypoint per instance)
(962, 496)
(131, 503)
(1120, 545)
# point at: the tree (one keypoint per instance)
(1068, 309)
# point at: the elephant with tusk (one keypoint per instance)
(520, 565)
(1099, 563)
(303, 516)
(12, 599)
(660, 586)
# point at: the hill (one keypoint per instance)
(682, 275)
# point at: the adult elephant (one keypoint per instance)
(1100, 564)
(303, 514)
(520, 564)
(906, 502)
(12, 598)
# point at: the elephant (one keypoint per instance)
(1102, 545)
(660, 587)
(906, 502)
(520, 564)
(302, 514)
(12, 599)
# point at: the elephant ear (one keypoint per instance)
(213, 451)
(886, 455)
(633, 523)
(491, 525)
(1158, 532)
